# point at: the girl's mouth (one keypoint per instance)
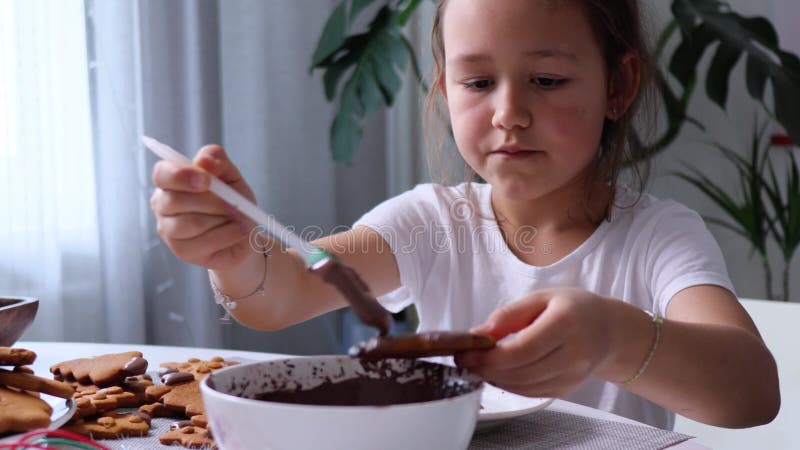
(515, 153)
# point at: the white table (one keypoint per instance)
(49, 353)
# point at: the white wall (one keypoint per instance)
(778, 323)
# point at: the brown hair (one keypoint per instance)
(619, 28)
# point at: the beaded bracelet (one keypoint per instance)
(229, 303)
(657, 321)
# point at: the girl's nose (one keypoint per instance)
(511, 110)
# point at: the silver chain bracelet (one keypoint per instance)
(228, 303)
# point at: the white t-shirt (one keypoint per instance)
(456, 268)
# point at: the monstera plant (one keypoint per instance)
(369, 64)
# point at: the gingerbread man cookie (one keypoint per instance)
(104, 370)
(184, 398)
(189, 437)
(197, 367)
(113, 425)
(107, 399)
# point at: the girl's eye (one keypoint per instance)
(548, 82)
(478, 84)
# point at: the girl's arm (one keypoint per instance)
(293, 294)
(710, 365)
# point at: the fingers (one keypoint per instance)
(211, 159)
(532, 320)
(514, 316)
(201, 249)
(214, 159)
(527, 347)
(172, 203)
(187, 226)
(553, 363)
(175, 176)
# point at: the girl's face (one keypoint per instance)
(525, 83)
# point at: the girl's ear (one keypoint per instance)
(442, 85)
(623, 85)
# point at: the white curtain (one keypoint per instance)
(49, 246)
(75, 225)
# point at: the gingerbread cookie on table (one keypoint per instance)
(158, 409)
(183, 398)
(112, 425)
(22, 412)
(90, 403)
(103, 370)
(197, 367)
(189, 436)
(10, 356)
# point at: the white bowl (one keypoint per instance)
(239, 422)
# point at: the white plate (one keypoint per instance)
(62, 410)
(498, 405)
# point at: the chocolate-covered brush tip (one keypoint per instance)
(356, 291)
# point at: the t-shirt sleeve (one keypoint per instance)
(682, 253)
(404, 222)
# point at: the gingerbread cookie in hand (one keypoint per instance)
(22, 412)
(16, 356)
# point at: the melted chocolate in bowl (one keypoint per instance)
(359, 391)
(351, 382)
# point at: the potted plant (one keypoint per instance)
(763, 208)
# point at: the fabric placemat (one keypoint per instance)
(552, 429)
(540, 430)
(158, 426)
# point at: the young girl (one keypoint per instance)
(571, 271)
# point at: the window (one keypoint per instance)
(47, 198)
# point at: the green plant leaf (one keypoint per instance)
(719, 73)
(404, 15)
(370, 63)
(345, 135)
(388, 79)
(333, 35)
(756, 77)
(330, 79)
(748, 215)
(785, 226)
(684, 15)
(369, 91)
(761, 30)
(683, 64)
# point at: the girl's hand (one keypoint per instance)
(198, 226)
(563, 337)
